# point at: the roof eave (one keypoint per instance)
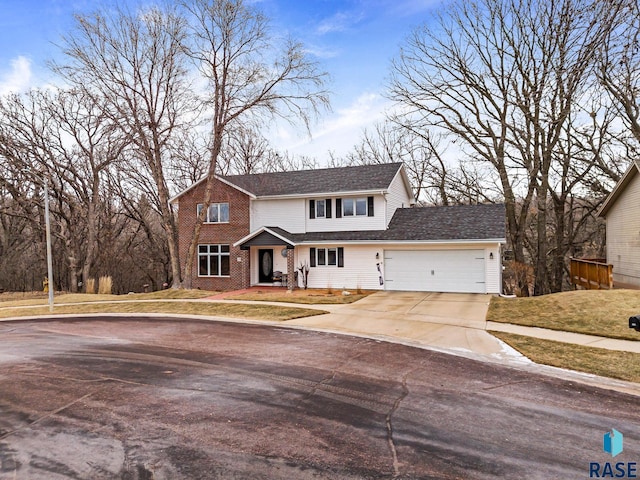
(619, 189)
(406, 242)
(322, 194)
(407, 183)
(176, 197)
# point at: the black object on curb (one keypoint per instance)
(634, 322)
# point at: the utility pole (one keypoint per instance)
(48, 238)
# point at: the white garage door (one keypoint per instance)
(435, 270)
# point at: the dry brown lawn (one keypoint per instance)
(598, 361)
(16, 299)
(123, 304)
(231, 310)
(308, 297)
(596, 312)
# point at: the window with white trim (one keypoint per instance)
(354, 207)
(216, 213)
(213, 261)
(320, 209)
(327, 257)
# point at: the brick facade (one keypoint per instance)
(291, 270)
(217, 234)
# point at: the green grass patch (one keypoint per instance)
(595, 312)
(598, 361)
(308, 297)
(231, 310)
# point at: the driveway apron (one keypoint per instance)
(447, 321)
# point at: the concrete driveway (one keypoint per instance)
(447, 321)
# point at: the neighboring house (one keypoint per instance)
(622, 213)
(355, 227)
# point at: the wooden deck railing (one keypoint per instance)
(591, 273)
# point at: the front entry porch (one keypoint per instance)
(271, 259)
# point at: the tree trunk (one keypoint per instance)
(91, 229)
(541, 285)
(560, 249)
(208, 192)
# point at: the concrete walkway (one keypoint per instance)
(568, 337)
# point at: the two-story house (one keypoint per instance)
(355, 227)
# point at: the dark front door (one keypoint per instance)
(265, 265)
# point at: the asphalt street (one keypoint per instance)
(181, 399)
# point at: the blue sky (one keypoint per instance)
(354, 40)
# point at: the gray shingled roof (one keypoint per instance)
(456, 222)
(326, 180)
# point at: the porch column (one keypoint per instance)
(244, 257)
(291, 270)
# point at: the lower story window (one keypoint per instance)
(213, 260)
(327, 257)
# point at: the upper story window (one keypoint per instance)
(320, 208)
(217, 213)
(354, 206)
(345, 207)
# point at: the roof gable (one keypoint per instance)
(619, 189)
(177, 196)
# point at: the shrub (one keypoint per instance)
(105, 285)
(91, 285)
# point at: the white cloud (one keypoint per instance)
(18, 78)
(321, 52)
(339, 22)
(339, 132)
(366, 109)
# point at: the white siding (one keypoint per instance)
(623, 235)
(346, 224)
(288, 214)
(398, 197)
(493, 269)
(359, 269)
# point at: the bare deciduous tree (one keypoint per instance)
(251, 75)
(133, 63)
(503, 78)
(245, 151)
(619, 66)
